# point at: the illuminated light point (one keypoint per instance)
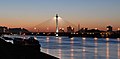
(47, 28)
(83, 49)
(47, 38)
(107, 39)
(35, 28)
(56, 25)
(72, 50)
(35, 38)
(96, 28)
(60, 38)
(72, 38)
(31, 33)
(24, 34)
(95, 38)
(83, 38)
(38, 33)
(118, 39)
(118, 29)
(43, 33)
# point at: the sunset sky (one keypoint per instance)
(87, 13)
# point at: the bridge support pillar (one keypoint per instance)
(56, 25)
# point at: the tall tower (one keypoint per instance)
(56, 25)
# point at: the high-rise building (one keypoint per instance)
(109, 28)
(3, 29)
(70, 29)
(61, 30)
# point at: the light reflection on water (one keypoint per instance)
(81, 48)
(118, 48)
(95, 49)
(107, 50)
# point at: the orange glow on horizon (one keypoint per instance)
(29, 24)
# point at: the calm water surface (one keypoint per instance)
(80, 48)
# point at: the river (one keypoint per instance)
(80, 48)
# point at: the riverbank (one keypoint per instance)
(17, 51)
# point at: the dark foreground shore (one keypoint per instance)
(17, 51)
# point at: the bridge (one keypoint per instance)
(52, 25)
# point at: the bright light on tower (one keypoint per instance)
(59, 18)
